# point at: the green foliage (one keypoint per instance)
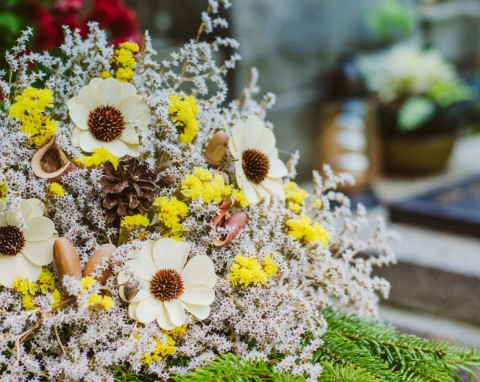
(414, 112)
(390, 19)
(230, 368)
(358, 350)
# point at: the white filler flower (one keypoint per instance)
(103, 112)
(168, 287)
(258, 170)
(25, 248)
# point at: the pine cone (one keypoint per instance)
(129, 190)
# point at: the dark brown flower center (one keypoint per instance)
(12, 240)
(255, 165)
(106, 123)
(166, 285)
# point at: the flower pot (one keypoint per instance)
(417, 155)
(424, 150)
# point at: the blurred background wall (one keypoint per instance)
(294, 43)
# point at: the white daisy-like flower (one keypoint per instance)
(258, 170)
(168, 287)
(25, 248)
(103, 112)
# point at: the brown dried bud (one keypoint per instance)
(100, 256)
(50, 162)
(164, 179)
(65, 258)
(236, 222)
(222, 214)
(131, 289)
(217, 148)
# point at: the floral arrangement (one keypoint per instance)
(147, 226)
(419, 80)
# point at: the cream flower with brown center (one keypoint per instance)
(166, 286)
(25, 248)
(258, 170)
(103, 112)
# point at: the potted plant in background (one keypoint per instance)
(421, 103)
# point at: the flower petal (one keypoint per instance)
(131, 107)
(110, 92)
(200, 270)
(163, 320)
(176, 312)
(87, 142)
(199, 311)
(39, 253)
(238, 136)
(133, 150)
(148, 310)
(13, 267)
(116, 147)
(79, 115)
(250, 192)
(277, 169)
(39, 228)
(198, 294)
(87, 97)
(254, 131)
(142, 265)
(132, 311)
(274, 186)
(129, 134)
(127, 89)
(170, 254)
(38, 208)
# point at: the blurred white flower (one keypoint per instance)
(168, 287)
(102, 113)
(25, 248)
(258, 170)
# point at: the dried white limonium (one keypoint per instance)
(176, 231)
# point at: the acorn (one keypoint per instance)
(50, 162)
(216, 149)
(237, 221)
(100, 256)
(65, 259)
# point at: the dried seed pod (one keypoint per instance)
(237, 222)
(217, 148)
(131, 289)
(222, 214)
(99, 256)
(65, 258)
(50, 162)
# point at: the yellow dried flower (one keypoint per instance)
(134, 221)
(95, 301)
(303, 229)
(247, 271)
(295, 196)
(183, 111)
(161, 350)
(3, 191)
(56, 189)
(171, 212)
(211, 188)
(131, 46)
(28, 108)
(46, 281)
(87, 282)
(99, 156)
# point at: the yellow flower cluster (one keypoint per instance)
(56, 189)
(303, 229)
(99, 156)
(134, 221)
(183, 111)
(295, 196)
(211, 187)
(161, 350)
(171, 212)
(123, 62)
(44, 284)
(95, 301)
(29, 108)
(247, 271)
(3, 191)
